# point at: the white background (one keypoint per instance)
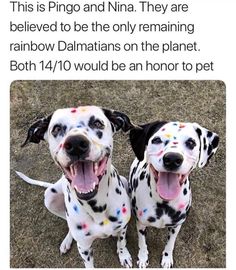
(215, 32)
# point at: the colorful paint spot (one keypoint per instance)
(181, 125)
(74, 110)
(168, 136)
(140, 213)
(118, 212)
(106, 221)
(159, 153)
(124, 210)
(175, 142)
(181, 206)
(76, 209)
(84, 226)
(163, 129)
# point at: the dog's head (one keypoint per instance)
(80, 141)
(173, 150)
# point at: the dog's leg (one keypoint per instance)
(167, 254)
(54, 202)
(123, 253)
(143, 251)
(86, 252)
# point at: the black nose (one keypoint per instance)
(172, 161)
(76, 145)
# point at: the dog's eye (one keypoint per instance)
(98, 124)
(190, 143)
(58, 130)
(156, 140)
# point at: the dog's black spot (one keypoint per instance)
(79, 227)
(150, 194)
(204, 143)
(166, 142)
(142, 175)
(168, 237)
(68, 189)
(185, 191)
(166, 254)
(185, 182)
(66, 211)
(69, 199)
(149, 180)
(95, 208)
(135, 183)
(209, 150)
(88, 259)
(88, 234)
(145, 165)
(151, 219)
(86, 253)
(80, 202)
(118, 191)
(215, 142)
(91, 121)
(159, 212)
(199, 132)
(53, 190)
(99, 134)
(112, 218)
(117, 227)
(121, 238)
(209, 134)
(143, 232)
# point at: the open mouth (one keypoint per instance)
(168, 183)
(85, 176)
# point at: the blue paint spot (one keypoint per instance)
(118, 212)
(175, 124)
(175, 138)
(79, 126)
(145, 210)
(76, 208)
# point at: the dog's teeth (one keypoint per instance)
(94, 184)
(95, 168)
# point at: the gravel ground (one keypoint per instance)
(36, 234)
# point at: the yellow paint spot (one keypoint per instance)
(106, 221)
(168, 136)
(83, 109)
(128, 218)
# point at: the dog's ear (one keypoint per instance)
(118, 120)
(139, 137)
(208, 144)
(37, 130)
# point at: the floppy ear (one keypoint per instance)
(37, 130)
(118, 120)
(208, 144)
(139, 137)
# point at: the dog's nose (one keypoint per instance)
(76, 145)
(172, 161)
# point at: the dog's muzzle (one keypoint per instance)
(83, 174)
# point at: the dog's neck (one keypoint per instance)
(97, 206)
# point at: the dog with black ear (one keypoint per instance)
(159, 184)
(91, 195)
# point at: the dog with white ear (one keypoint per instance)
(91, 195)
(159, 184)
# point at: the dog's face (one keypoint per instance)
(80, 141)
(173, 150)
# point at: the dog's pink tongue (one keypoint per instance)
(168, 185)
(84, 178)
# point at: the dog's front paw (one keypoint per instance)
(167, 260)
(142, 259)
(66, 244)
(125, 258)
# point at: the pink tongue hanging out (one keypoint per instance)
(168, 185)
(83, 176)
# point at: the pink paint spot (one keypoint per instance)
(181, 125)
(84, 226)
(124, 210)
(175, 142)
(163, 129)
(140, 213)
(74, 110)
(181, 205)
(159, 153)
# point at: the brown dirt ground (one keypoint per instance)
(36, 234)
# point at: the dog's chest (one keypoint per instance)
(97, 220)
(150, 209)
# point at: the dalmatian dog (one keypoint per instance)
(159, 184)
(91, 196)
